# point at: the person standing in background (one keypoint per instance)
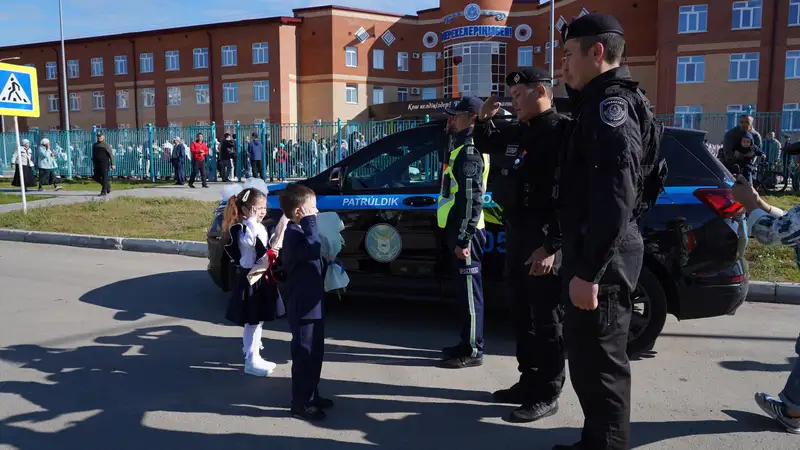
(256, 150)
(199, 151)
(23, 162)
(102, 158)
(47, 166)
(226, 154)
(177, 157)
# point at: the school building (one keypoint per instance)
(327, 63)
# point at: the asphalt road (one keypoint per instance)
(103, 349)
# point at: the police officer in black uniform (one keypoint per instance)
(526, 156)
(599, 190)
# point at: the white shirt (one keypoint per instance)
(247, 241)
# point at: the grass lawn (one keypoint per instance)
(89, 185)
(5, 199)
(163, 218)
(774, 263)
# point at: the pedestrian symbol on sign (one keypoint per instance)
(13, 93)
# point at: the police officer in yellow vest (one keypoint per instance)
(460, 214)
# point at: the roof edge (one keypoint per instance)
(359, 10)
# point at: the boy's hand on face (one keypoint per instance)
(305, 211)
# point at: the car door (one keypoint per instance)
(388, 206)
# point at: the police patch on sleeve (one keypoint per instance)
(614, 111)
(470, 168)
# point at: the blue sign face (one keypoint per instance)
(477, 31)
(17, 92)
(472, 12)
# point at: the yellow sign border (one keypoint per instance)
(34, 92)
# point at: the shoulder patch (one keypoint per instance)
(470, 168)
(614, 111)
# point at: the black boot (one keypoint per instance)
(513, 395)
(532, 413)
(309, 413)
(461, 362)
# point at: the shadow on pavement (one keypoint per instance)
(755, 366)
(141, 389)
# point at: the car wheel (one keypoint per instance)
(649, 304)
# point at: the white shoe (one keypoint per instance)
(256, 365)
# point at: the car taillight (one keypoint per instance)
(721, 201)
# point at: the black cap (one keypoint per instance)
(528, 75)
(100, 133)
(591, 25)
(467, 104)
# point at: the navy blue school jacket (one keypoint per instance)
(304, 287)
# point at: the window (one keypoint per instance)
(736, 111)
(261, 91)
(429, 62)
(121, 65)
(200, 58)
(174, 96)
(74, 102)
(122, 99)
(691, 69)
(429, 93)
(794, 13)
(688, 116)
(261, 53)
(73, 71)
(201, 94)
(350, 57)
(201, 123)
(791, 117)
(351, 94)
(173, 60)
(525, 56)
(482, 71)
(52, 70)
(98, 100)
(377, 95)
(693, 19)
(744, 67)
(793, 64)
(746, 15)
(148, 97)
(229, 56)
(402, 94)
(402, 61)
(230, 93)
(377, 59)
(52, 103)
(146, 63)
(362, 35)
(97, 67)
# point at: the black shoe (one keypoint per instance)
(525, 413)
(309, 413)
(575, 446)
(513, 395)
(102, 194)
(452, 352)
(205, 185)
(461, 362)
(191, 185)
(322, 403)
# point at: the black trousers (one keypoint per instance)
(258, 169)
(308, 348)
(469, 295)
(198, 166)
(177, 166)
(538, 317)
(597, 344)
(101, 176)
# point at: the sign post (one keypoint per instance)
(19, 97)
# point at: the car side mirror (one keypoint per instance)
(336, 178)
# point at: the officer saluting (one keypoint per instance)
(460, 214)
(526, 155)
(602, 188)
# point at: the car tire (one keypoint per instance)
(649, 302)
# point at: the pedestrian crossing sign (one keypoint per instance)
(19, 92)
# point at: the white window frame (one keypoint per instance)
(351, 57)
(428, 90)
(146, 63)
(98, 100)
(52, 103)
(229, 56)
(351, 94)
(148, 97)
(97, 67)
(794, 13)
(743, 58)
(688, 116)
(697, 12)
(793, 109)
(699, 64)
(429, 58)
(121, 65)
(172, 60)
(749, 8)
(201, 94)
(792, 65)
(525, 56)
(73, 68)
(402, 91)
(200, 58)
(174, 96)
(378, 95)
(377, 59)
(402, 61)
(123, 99)
(261, 91)
(230, 93)
(261, 53)
(51, 69)
(74, 101)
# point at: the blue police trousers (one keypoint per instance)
(469, 295)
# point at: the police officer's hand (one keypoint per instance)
(490, 108)
(541, 262)
(462, 253)
(744, 193)
(583, 294)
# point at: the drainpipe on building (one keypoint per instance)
(135, 81)
(772, 43)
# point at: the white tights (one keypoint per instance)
(251, 339)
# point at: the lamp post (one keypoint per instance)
(66, 94)
(552, 38)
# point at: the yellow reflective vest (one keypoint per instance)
(447, 195)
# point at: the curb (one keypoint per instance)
(771, 292)
(164, 246)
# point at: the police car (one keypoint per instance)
(386, 196)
